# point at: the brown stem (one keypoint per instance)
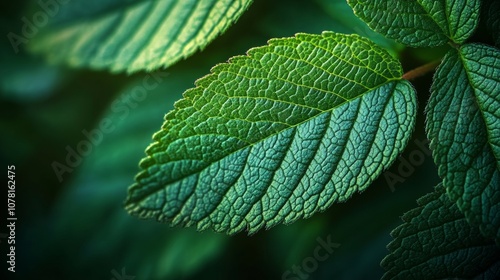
(422, 70)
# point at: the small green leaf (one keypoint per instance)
(420, 23)
(134, 35)
(436, 242)
(277, 135)
(464, 128)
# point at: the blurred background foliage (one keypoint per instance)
(76, 228)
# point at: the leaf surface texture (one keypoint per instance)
(436, 242)
(420, 23)
(277, 135)
(464, 129)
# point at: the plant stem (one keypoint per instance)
(422, 70)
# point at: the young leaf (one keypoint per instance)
(277, 135)
(420, 23)
(134, 35)
(436, 242)
(464, 129)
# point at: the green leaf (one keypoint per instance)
(420, 23)
(436, 242)
(277, 135)
(134, 35)
(464, 129)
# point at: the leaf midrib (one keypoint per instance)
(248, 144)
(479, 108)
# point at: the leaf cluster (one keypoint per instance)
(307, 121)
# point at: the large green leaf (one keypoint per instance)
(277, 135)
(420, 23)
(464, 128)
(436, 242)
(134, 35)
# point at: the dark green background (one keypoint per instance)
(77, 228)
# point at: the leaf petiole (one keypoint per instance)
(421, 70)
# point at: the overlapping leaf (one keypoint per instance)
(277, 135)
(420, 23)
(436, 242)
(464, 128)
(133, 35)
